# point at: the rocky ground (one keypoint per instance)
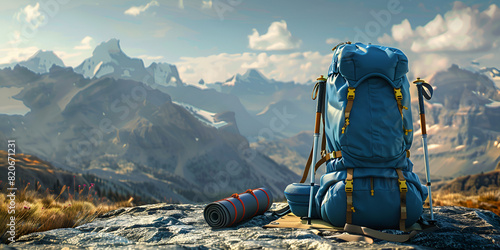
(165, 226)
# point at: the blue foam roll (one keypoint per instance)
(237, 208)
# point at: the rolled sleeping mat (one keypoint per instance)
(239, 207)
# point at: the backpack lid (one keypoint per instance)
(357, 61)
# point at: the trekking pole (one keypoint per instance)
(319, 87)
(421, 94)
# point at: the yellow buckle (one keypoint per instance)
(350, 93)
(348, 186)
(398, 94)
(333, 155)
(408, 130)
(345, 125)
(402, 186)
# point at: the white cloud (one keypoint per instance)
(458, 36)
(277, 38)
(31, 15)
(430, 63)
(12, 55)
(261, 61)
(461, 29)
(402, 32)
(333, 41)
(385, 39)
(15, 38)
(206, 4)
(84, 44)
(300, 67)
(136, 10)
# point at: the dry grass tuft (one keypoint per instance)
(489, 200)
(37, 211)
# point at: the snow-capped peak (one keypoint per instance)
(165, 74)
(251, 76)
(254, 74)
(108, 58)
(42, 61)
(106, 48)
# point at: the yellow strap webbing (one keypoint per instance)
(348, 107)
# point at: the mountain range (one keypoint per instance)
(40, 62)
(462, 119)
(270, 101)
(133, 135)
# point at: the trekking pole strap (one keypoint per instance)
(377, 234)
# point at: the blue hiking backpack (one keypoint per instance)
(368, 133)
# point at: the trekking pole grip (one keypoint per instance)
(319, 90)
(421, 84)
(321, 95)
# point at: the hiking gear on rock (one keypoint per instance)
(368, 119)
(368, 132)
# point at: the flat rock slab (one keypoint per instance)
(166, 226)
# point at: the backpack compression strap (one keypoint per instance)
(403, 188)
(399, 97)
(348, 107)
(348, 192)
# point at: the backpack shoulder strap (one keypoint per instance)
(324, 156)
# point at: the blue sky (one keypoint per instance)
(286, 40)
